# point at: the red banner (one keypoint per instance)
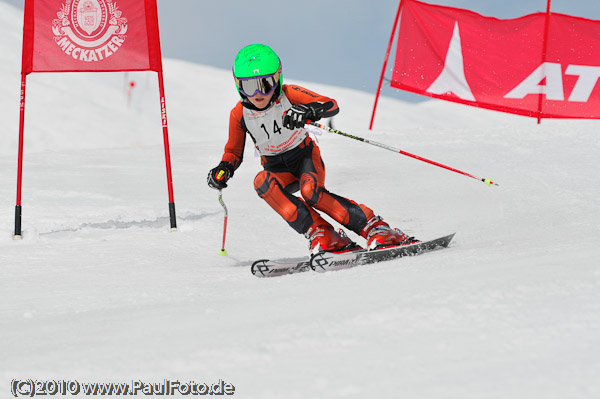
(91, 36)
(540, 65)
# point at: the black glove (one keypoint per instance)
(297, 116)
(217, 177)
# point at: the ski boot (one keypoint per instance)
(323, 238)
(380, 235)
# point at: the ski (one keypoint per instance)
(281, 267)
(329, 261)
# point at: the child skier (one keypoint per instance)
(274, 114)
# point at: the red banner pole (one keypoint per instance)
(544, 55)
(18, 235)
(385, 61)
(165, 126)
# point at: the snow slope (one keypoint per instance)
(100, 290)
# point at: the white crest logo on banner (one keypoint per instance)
(89, 30)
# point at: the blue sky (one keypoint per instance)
(337, 42)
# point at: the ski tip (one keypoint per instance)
(257, 264)
(447, 239)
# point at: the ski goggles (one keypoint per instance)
(261, 84)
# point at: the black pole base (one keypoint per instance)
(18, 235)
(172, 216)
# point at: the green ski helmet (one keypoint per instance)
(257, 69)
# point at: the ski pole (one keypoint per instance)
(489, 182)
(223, 251)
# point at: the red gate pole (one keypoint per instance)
(165, 126)
(18, 235)
(385, 61)
(544, 56)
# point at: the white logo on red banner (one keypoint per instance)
(505, 65)
(452, 79)
(552, 74)
(89, 30)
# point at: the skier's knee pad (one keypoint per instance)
(310, 190)
(262, 183)
(291, 208)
